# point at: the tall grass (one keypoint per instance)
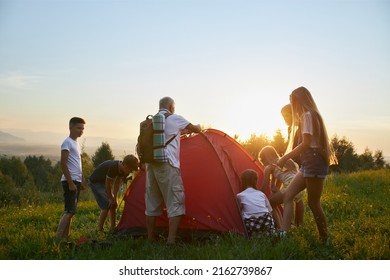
(356, 206)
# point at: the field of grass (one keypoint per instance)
(356, 206)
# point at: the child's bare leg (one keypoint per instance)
(296, 185)
(102, 219)
(299, 212)
(63, 229)
(314, 191)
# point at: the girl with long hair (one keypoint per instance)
(316, 155)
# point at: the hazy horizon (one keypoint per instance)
(48, 144)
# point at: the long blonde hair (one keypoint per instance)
(268, 155)
(302, 101)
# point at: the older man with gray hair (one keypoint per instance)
(163, 179)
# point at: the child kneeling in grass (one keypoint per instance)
(256, 211)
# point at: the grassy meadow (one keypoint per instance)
(356, 206)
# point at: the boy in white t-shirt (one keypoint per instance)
(256, 211)
(72, 179)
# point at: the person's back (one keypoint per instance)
(254, 206)
(105, 182)
(173, 126)
(254, 203)
(163, 179)
(108, 168)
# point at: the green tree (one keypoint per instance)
(366, 160)
(86, 162)
(379, 160)
(255, 143)
(12, 193)
(54, 179)
(102, 154)
(279, 143)
(41, 169)
(8, 190)
(16, 169)
(346, 155)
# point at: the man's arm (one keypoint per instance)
(194, 128)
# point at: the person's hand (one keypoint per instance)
(84, 186)
(113, 203)
(72, 187)
(274, 189)
(281, 162)
(185, 131)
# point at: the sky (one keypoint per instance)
(229, 65)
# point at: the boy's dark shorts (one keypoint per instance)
(99, 191)
(71, 198)
(313, 164)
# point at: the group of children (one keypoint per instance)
(104, 180)
(308, 144)
(302, 168)
(262, 214)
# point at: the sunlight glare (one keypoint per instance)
(258, 117)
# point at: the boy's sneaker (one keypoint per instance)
(280, 233)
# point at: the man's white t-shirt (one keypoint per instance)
(173, 125)
(74, 159)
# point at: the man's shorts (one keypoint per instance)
(71, 198)
(313, 164)
(99, 191)
(164, 184)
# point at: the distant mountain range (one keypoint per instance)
(21, 142)
(6, 137)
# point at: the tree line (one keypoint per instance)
(348, 159)
(35, 179)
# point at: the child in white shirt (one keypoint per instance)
(256, 211)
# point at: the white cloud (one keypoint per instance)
(17, 80)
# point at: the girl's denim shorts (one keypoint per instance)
(313, 164)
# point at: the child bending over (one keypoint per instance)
(268, 156)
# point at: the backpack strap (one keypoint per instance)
(170, 140)
(167, 114)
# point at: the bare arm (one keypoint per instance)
(275, 185)
(297, 150)
(65, 170)
(116, 187)
(267, 178)
(108, 185)
(194, 128)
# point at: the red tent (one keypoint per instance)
(211, 164)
